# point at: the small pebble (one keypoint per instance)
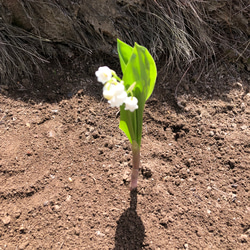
(51, 134)
(243, 238)
(77, 231)
(6, 220)
(17, 213)
(22, 228)
(213, 126)
(68, 198)
(98, 233)
(46, 203)
(244, 127)
(23, 245)
(211, 133)
(126, 176)
(57, 207)
(243, 106)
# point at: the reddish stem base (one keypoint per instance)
(136, 165)
(134, 178)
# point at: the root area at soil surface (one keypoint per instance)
(65, 166)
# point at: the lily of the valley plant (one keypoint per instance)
(130, 94)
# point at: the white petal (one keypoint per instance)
(108, 93)
(120, 99)
(117, 101)
(131, 104)
(112, 102)
(103, 74)
(119, 89)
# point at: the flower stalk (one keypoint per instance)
(136, 165)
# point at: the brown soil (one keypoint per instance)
(65, 165)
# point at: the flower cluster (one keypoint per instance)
(114, 90)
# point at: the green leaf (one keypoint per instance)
(137, 66)
(124, 51)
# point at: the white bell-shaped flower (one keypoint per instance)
(118, 100)
(119, 88)
(131, 103)
(108, 91)
(114, 89)
(103, 74)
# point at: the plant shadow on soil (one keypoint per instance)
(130, 231)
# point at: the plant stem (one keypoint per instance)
(136, 165)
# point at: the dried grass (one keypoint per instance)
(18, 54)
(179, 33)
(182, 32)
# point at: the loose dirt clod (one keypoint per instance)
(6, 220)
